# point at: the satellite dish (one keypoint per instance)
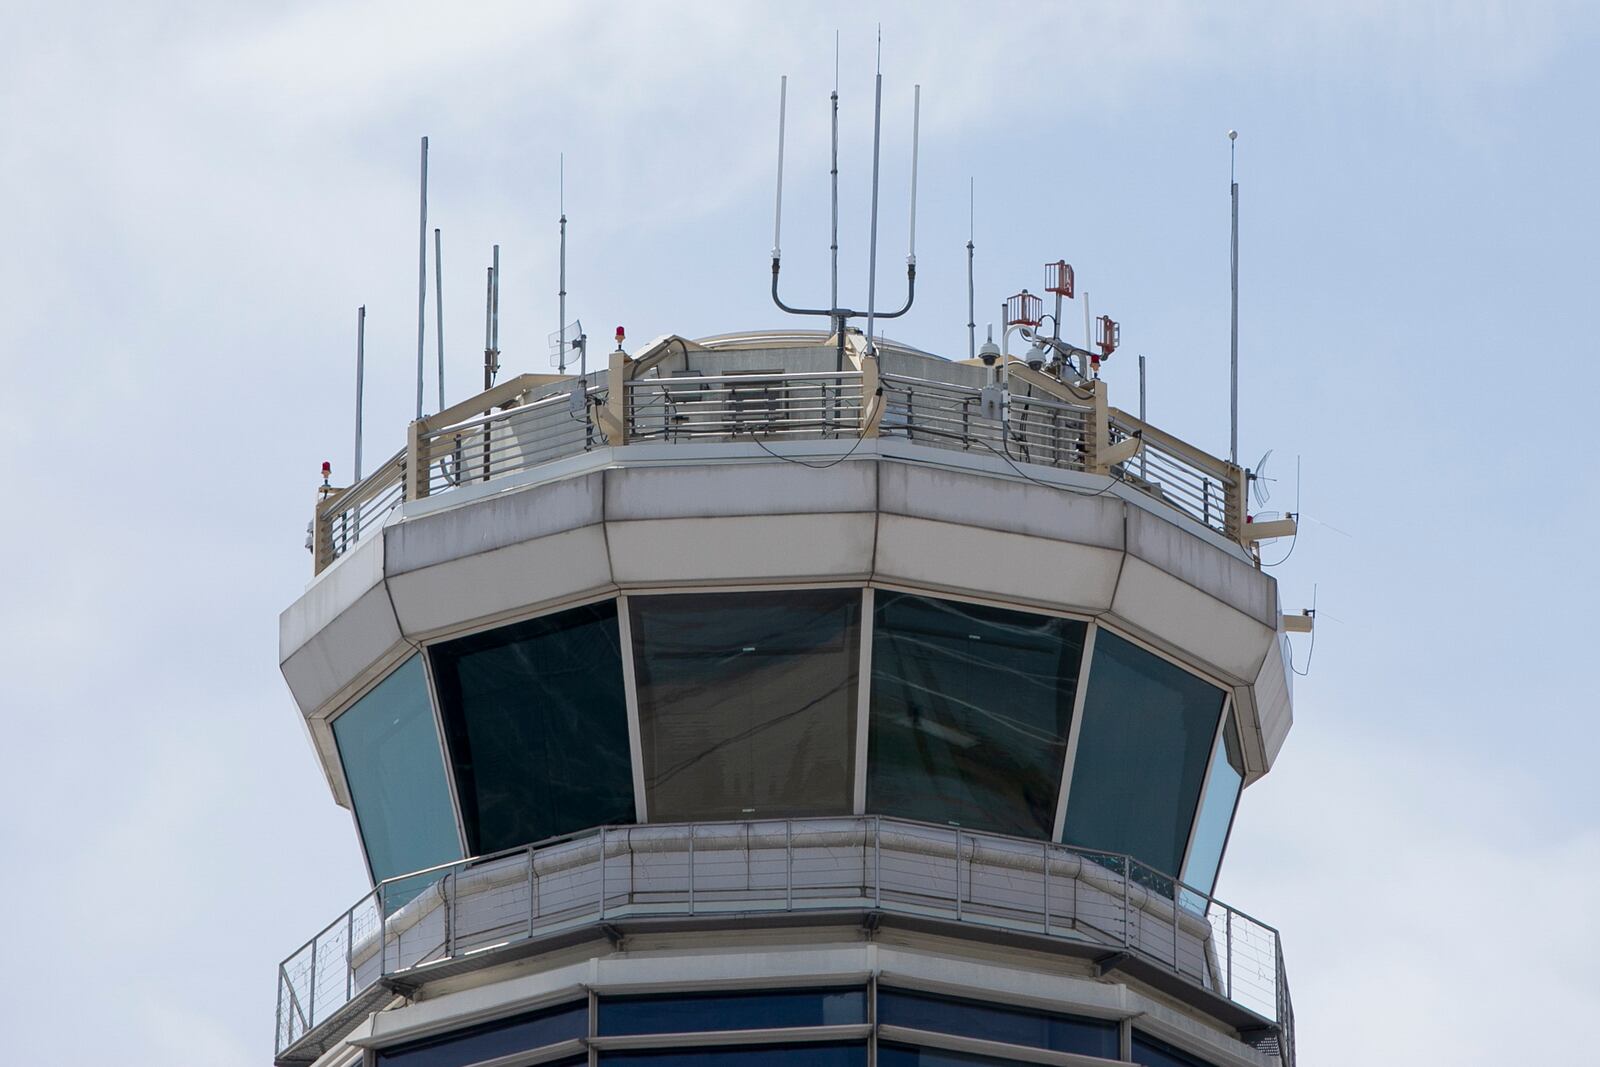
(569, 354)
(1259, 481)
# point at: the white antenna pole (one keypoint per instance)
(833, 305)
(777, 211)
(1088, 334)
(1142, 419)
(916, 129)
(494, 310)
(872, 240)
(438, 307)
(361, 375)
(562, 313)
(422, 272)
(488, 331)
(1233, 342)
(972, 326)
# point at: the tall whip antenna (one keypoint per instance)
(872, 238)
(561, 180)
(1233, 343)
(833, 247)
(777, 211)
(438, 307)
(972, 325)
(422, 272)
(361, 376)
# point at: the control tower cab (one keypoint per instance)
(771, 699)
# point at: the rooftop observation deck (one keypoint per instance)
(1119, 915)
(776, 387)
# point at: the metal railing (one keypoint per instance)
(847, 864)
(727, 406)
(1051, 430)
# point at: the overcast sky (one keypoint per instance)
(197, 197)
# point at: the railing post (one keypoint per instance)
(533, 894)
(311, 1001)
(788, 865)
(602, 873)
(1100, 428)
(417, 461)
(1176, 966)
(321, 535)
(349, 954)
(618, 415)
(383, 933)
(1230, 953)
(877, 861)
(278, 1036)
(454, 879)
(1046, 846)
(1127, 916)
(870, 384)
(691, 868)
(1235, 500)
(958, 875)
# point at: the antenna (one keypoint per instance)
(422, 272)
(1259, 480)
(972, 326)
(561, 315)
(361, 373)
(1233, 344)
(1142, 420)
(488, 337)
(872, 239)
(777, 211)
(833, 291)
(438, 308)
(494, 311)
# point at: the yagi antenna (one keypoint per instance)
(837, 314)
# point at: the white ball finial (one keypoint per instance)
(1233, 135)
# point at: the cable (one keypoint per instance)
(1310, 651)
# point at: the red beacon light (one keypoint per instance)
(1024, 309)
(620, 335)
(327, 471)
(1058, 278)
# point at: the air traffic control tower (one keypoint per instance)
(774, 699)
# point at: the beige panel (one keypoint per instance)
(1201, 627)
(996, 565)
(1274, 699)
(512, 579)
(333, 591)
(1201, 564)
(705, 490)
(756, 548)
(343, 651)
(983, 500)
(494, 522)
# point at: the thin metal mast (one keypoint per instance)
(438, 307)
(972, 326)
(777, 211)
(1233, 342)
(562, 313)
(494, 310)
(488, 331)
(361, 376)
(833, 292)
(872, 239)
(422, 272)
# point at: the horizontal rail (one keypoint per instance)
(843, 864)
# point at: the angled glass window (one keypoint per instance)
(908, 1056)
(537, 727)
(677, 1013)
(503, 1037)
(971, 707)
(389, 746)
(1148, 726)
(1152, 1053)
(747, 702)
(822, 1055)
(995, 1022)
(1216, 812)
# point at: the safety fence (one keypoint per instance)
(847, 864)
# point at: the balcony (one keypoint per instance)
(1107, 909)
(1031, 419)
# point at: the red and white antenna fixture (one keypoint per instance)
(1058, 278)
(1024, 309)
(1109, 336)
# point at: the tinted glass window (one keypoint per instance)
(1152, 1053)
(992, 1022)
(747, 702)
(500, 1038)
(1216, 812)
(687, 1013)
(389, 746)
(906, 1056)
(537, 727)
(832, 1055)
(1148, 726)
(971, 707)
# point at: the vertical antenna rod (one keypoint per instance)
(494, 311)
(438, 308)
(488, 332)
(561, 314)
(422, 272)
(916, 130)
(1142, 419)
(1233, 341)
(872, 239)
(833, 292)
(777, 211)
(361, 375)
(972, 326)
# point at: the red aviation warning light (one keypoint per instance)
(1024, 309)
(1058, 278)
(620, 336)
(327, 471)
